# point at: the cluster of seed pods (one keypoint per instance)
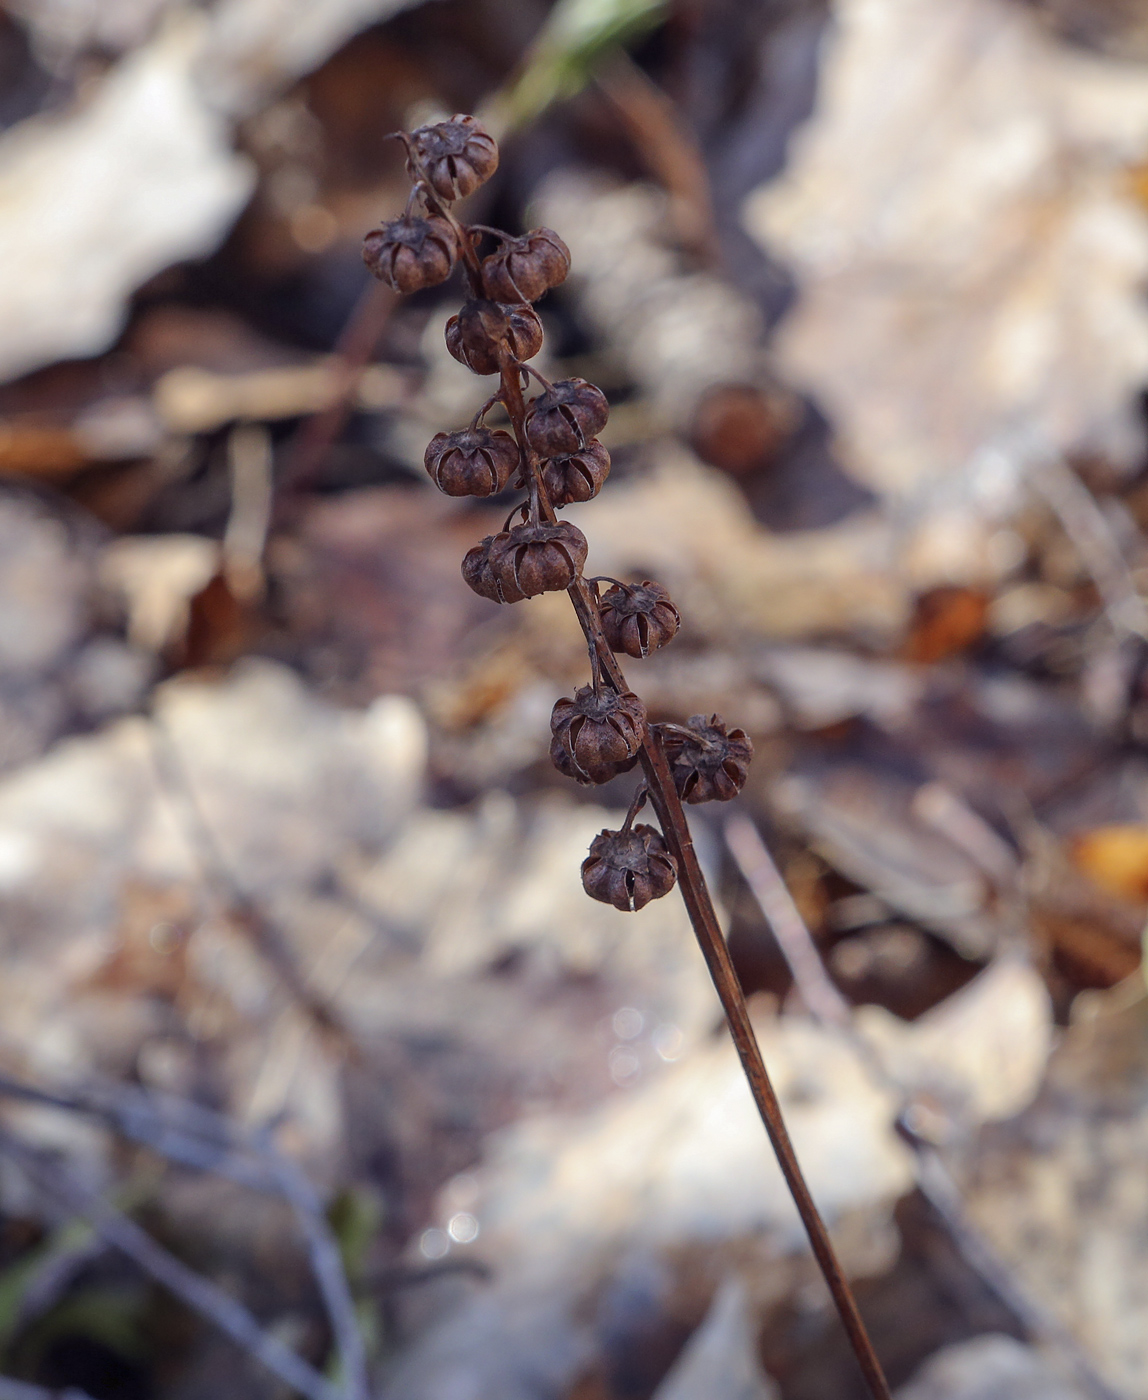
(554, 455)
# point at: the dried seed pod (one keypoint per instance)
(532, 559)
(474, 462)
(597, 735)
(411, 253)
(478, 571)
(629, 868)
(524, 268)
(578, 477)
(474, 335)
(566, 417)
(457, 156)
(638, 618)
(708, 762)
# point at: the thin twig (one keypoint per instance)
(327, 1266)
(198, 1293)
(209, 1142)
(934, 1180)
(784, 918)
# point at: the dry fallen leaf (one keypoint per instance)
(981, 1053)
(720, 1360)
(144, 172)
(992, 1367)
(969, 257)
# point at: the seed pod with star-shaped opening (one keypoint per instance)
(410, 253)
(578, 477)
(478, 571)
(473, 462)
(532, 559)
(628, 868)
(522, 269)
(638, 618)
(597, 735)
(457, 155)
(474, 335)
(566, 417)
(709, 762)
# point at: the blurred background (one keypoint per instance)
(319, 1074)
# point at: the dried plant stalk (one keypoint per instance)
(544, 555)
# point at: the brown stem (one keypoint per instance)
(667, 804)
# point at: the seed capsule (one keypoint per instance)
(532, 559)
(708, 762)
(457, 155)
(597, 735)
(638, 618)
(569, 480)
(474, 335)
(566, 417)
(475, 462)
(478, 571)
(524, 268)
(629, 868)
(411, 253)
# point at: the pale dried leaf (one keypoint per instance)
(991, 1367)
(969, 257)
(94, 202)
(720, 1360)
(982, 1052)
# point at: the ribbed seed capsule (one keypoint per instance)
(533, 559)
(708, 762)
(629, 868)
(524, 268)
(478, 571)
(457, 155)
(566, 417)
(411, 253)
(474, 462)
(638, 618)
(474, 335)
(569, 480)
(597, 735)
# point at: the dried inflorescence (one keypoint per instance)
(709, 762)
(638, 618)
(597, 735)
(474, 462)
(628, 868)
(553, 452)
(409, 254)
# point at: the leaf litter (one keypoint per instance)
(330, 890)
